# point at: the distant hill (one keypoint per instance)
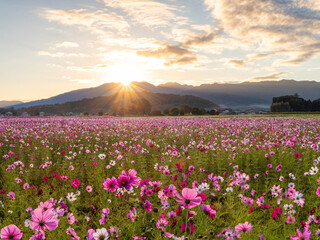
(122, 99)
(9, 103)
(233, 95)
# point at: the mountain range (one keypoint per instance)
(128, 100)
(234, 95)
(9, 103)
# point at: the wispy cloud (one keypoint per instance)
(60, 54)
(97, 21)
(273, 76)
(237, 63)
(66, 45)
(95, 68)
(150, 13)
(277, 26)
(172, 54)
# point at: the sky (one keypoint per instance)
(53, 46)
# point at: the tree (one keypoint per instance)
(195, 111)
(174, 112)
(142, 106)
(187, 109)
(100, 113)
(166, 111)
(202, 111)
(122, 111)
(280, 107)
(156, 113)
(214, 112)
(181, 112)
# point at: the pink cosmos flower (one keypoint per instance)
(89, 188)
(43, 220)
(147, 206)
(134, 180)
(90, 234)
(290, 220)
(306, 235)
(64, 177)
(71, 218)
(187, 227)
(110, 184)
(46, 206)
(11, 195)
(243, 227)
(318, 191)
(209, 211)
(105, 213)
(11, 232)
(38, 235)
(189, 198)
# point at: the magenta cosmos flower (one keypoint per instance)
(41, 220)
(243, 227)
(11, 232)
(189, 198)
(124, 182)
(75, 182)
(210, 212)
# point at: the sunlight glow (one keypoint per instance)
(125, 73)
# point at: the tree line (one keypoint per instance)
(294, 103)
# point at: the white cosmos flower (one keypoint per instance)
(313, 170)
(101, 234)
(291, 185)
(71, 197)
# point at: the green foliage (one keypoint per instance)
(293, 103)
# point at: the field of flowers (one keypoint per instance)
(157, 178)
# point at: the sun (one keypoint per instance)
(125, 73)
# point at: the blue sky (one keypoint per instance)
(50, 47)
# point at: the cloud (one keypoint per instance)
(172, 54)
(95, 68)
(257, 56)
(66, 45)
(237, 63)
(148, 12)
(200, 39)
(306, 52)
(195, 35)
(273, 76)
(60, 54)
(97, 22)
(281, 27)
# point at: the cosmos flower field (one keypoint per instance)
(159, 178)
